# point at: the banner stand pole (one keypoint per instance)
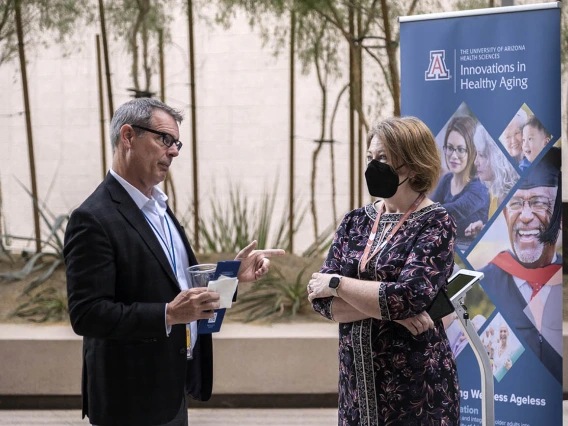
(487, 388)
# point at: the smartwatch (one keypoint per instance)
(334, 283)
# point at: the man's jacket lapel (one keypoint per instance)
(191, 256)
(128, 208)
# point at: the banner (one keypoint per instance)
(487, 84)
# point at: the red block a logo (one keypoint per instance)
(437, 69)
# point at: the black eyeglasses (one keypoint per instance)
(460, 151)
(167, 139)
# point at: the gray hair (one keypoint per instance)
(138, 111)
(504, 174)
(520, 118)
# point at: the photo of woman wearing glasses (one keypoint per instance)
(461, 193)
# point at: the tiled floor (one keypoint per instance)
(197, 417)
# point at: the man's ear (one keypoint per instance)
(127, 135)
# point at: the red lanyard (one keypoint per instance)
(365, 259)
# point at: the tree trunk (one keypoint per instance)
(22, 54)
(144, 6)
(107, 63)
(162, 65)
(134, 48)
(564, 130)
(360, 142)
(291, 154)
(333, 185)
(323, 88)
(332, 154)
(146, 62)
(2, 230)
(101, 107)
(391, 47)
(167, 182)
(193, 126)
(352, 94)
(313, 189)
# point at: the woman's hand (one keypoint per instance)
(417, 324)
(318, 286)
(473, 229)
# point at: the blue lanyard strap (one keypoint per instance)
(171, 253)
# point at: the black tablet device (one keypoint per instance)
(458, 285)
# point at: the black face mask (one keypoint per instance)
(382, 181)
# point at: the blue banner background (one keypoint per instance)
(435, 101)
(537, 30)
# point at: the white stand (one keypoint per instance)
(487, 388)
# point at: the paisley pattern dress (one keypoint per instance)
(387, 376)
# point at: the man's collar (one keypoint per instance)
(137, 196)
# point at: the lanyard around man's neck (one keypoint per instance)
(170, 249)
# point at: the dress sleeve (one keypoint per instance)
(427, 269)
(332, 265)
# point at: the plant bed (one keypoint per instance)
(52, 292)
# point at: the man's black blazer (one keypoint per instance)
(118, 282)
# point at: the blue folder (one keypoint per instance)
(227, 268)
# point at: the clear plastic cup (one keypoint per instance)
(200, 275)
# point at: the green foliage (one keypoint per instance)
(230, 226)
(315, 39)
(472, 4)
(233, 225)
(41, 20)
(564, 36)
(43, 306)
(273, 298)
(4, 253)
(48, 261)
(322, 243)
(324, 34)
(139, 22)
(255, 10)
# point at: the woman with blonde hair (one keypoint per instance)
(495, 171)
(387, 262)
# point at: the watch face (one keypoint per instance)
(334, 282)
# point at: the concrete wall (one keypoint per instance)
(291, 359)
(282, 359)
(242, 123)
(242, 112)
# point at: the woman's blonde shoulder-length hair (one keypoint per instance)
(407, 141)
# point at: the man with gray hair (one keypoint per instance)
(129, 297)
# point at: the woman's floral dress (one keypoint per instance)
(387, 376)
